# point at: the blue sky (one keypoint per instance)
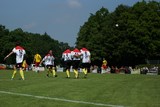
(61, 19)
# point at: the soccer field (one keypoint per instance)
(98, 90)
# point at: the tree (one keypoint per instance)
(33, 43)
(132, 42)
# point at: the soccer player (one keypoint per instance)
(20, 52)
(49, 63)
(37, 59)
(67, 57)
(76, 54)
(86, 60)
(104, 66)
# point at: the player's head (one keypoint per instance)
(50, 52)
(17, 43)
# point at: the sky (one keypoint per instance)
(60, 19)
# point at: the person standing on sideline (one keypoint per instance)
(86, 60)
(104, 66)
(49, 63)
(20, 52)
(67, 57)
(76, 54)
(37, 59)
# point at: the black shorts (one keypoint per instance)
(49, 66)
(68, 64)
(18, 65)
(85, 65)
(76, 64)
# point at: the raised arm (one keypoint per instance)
(8, 55)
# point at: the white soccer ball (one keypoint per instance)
(117, 25)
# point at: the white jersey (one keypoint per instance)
(85, 56)
(48, 59)
(67, 56)
(19, 51)
(74, 54)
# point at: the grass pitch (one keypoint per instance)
(111, 90)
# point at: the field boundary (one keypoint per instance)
(59, 99)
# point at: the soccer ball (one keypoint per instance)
(117, 25)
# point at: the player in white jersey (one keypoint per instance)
(67, 57)
(76, 54)
(86, 60)
(20, 52)
(49, 63)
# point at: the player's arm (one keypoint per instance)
(8, 55)
(42, 60)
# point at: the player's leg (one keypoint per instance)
(14, 72)
(75, 68)
(68, 65)
(86, 67)
(54, 72)
(48, 70)
(68, 73)
(21, 70)
(76, 73)
(37, 67)
(21, 73)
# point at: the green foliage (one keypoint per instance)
(33, 43)
(135, 39)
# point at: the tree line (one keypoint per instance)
(130, 35)
(32, 43)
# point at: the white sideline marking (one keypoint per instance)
(59, 99)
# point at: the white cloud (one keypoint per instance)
(74, 3)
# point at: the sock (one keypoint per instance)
(54, 72)
(21, 73)
(68, 73)
(86, 71)
(14, 73)
(76, 73)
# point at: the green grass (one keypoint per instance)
(110, 89)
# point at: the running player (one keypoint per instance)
(49, 63)
(76, 54)
(86, 60)
(20, 52)
(66, 56)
